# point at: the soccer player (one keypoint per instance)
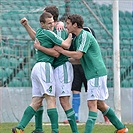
(63, 72)
(58, 26)
(88, 52)
(79, 78)
(43, 82)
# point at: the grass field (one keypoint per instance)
(99, 128)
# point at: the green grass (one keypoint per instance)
(99, 128)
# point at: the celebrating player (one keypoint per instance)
(43, 82)
(63, 72)
(88, 52)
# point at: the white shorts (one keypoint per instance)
(63, 78)
(97, 88)
(43, 81)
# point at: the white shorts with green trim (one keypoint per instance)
(43, 81)
(63, 78)
(97, 88)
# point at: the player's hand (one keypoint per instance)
(56, 53)
(36, 44)
(70, 35)
(58, 48)
(24, 21)
(60, 26)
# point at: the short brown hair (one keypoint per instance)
(44, 16)
(54, 11)
(75, 18)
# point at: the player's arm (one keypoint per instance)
(74, 61)
(58, 40)
(30, 31)
(67, 43)
(48, 51)
(73, 54)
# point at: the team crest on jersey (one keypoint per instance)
(49, 89)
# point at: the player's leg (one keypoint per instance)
(92, 96)
(92, 116)
(52, 112)
(76, 103)
(64, 78)
(106, 119)
(29, 112)
(36, 90)
(107, 111)
(76, 88)
(38, 121)
(48, 83)
(64, 100)
(36, 100)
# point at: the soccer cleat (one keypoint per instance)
(124, 130)
(37, 131)
(66, 121)
(16, 130)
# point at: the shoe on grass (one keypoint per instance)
(124, 130)
(16, 130)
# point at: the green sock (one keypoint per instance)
(90, 122)
(27, 116)
(72, 120)
(53, 116)
(113, 118)
(38, 119)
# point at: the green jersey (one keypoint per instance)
(91, 61)
(62, 58)
(47, 39)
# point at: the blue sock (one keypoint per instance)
(76, 104)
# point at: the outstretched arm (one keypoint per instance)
(30, 31)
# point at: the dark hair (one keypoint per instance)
(54, 11)
(90, 30)
(44, 16)
(75, 18)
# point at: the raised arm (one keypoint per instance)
(30, 31)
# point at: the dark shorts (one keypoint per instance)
(79, 78)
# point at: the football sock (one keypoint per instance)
(90, 122)
(113, 118)
(76, 104)
(72, 121)
(38, 119)
(27, 116)
(53, 116)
